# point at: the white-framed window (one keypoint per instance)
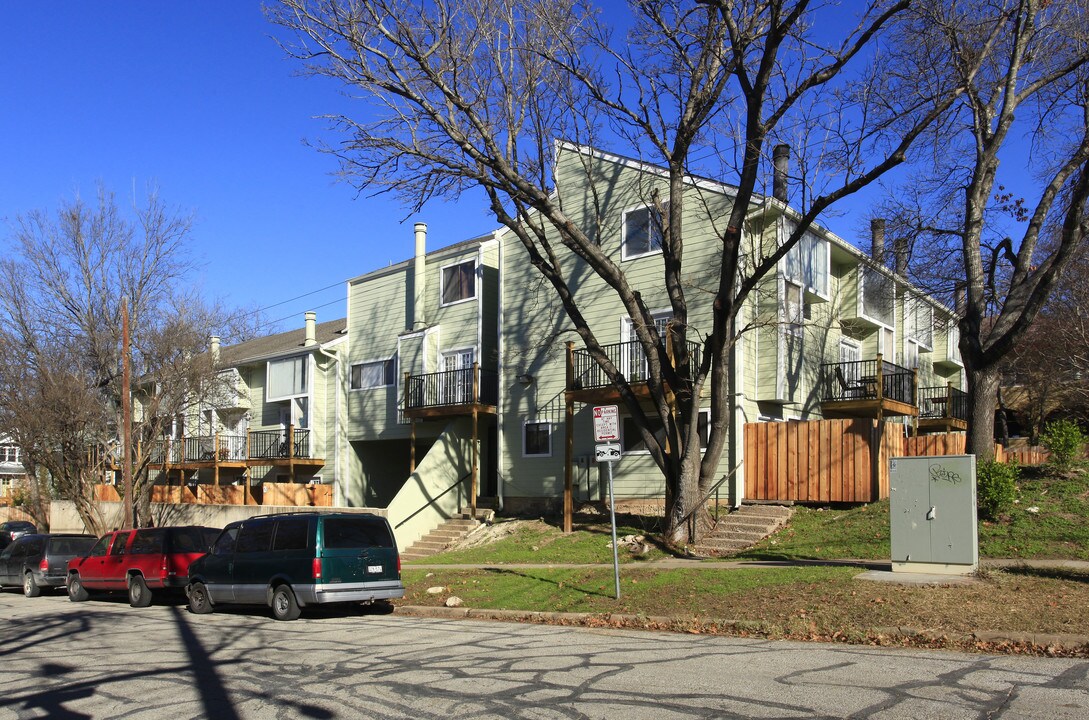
(641, 233)
(373, 374)
(536, 439)
(9, 453)
(919, 322)
(807, 263)
(911, 354)
(287, 378)
(887, 344)
(793, 310)
(877, 295)
(631, 440)
(458, 282)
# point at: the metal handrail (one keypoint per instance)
(452, 387)
(858, 380)
(627, 357)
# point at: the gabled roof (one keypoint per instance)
(281, 344)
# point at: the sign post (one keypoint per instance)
(607, 431)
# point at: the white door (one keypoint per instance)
(456, 383)
(633, 361)
(849, 356)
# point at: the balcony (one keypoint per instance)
(291, 446)
(588, 383)
(942, 409)
(452, 392)
(868, 388)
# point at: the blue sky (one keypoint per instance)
(196, 98)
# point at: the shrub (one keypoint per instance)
(1064, 440)
(996, 488)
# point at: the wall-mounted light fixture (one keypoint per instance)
(525, 379)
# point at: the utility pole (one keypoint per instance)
(126, 413)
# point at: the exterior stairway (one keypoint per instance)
(446, 534)
(743, 527)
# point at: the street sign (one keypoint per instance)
(608, 452)
(606, 423)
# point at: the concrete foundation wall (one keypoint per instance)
(64, 518)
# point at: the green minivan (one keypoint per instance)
(293, 560)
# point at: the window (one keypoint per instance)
(119, 544)
(287, 378)
(348, 533)
(255, 537)
(631, 439)
(911, 354)
(793, 310)
(9, 453)
(919, 322)
(877, 295)
(537, 439)
(225, 544)
(378, 373)
(633, 362)
(642, 233)
(459, 282)
(807, 262)
(291, 534)
(99, 548)
(148, 542)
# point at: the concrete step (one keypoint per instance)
(778, 511)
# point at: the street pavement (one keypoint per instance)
(103, 659)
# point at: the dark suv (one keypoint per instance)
(13, 530)
(40, 561)
(297, 559)
(139, 561)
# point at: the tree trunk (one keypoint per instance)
(680, 513)
(982, 399)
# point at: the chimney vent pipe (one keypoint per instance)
(781, 159)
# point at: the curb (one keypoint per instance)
(1047, 643)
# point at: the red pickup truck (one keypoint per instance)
(139, 561)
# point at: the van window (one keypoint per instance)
(357, 532)
(225, 544)
(291, 533)
(119, 544)
(148, 542)
(255, 537)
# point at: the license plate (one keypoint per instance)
(374, 568)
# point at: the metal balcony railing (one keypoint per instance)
(943, 401)
(466, 386)
(256, 445)
(867, 380)
(280, 444)
(627, 357)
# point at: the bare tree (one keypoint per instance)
(474, 94)
(1024, 64)
(61, 295)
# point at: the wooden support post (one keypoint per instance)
(473, 482)
(412, 447)
(215, 459)
(569, 444)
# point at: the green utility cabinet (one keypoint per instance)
(932, 508)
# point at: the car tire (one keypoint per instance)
(284, 605)
(76, 591)
(199, 602)
(30, 586)
(139, 595)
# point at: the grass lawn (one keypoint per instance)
(1049, 521)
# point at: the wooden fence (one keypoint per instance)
(826, 461)
(820, 461)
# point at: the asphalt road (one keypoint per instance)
(103, 659)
